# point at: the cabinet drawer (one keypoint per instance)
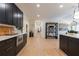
(8, 52)
(8, 47)
(2, 44)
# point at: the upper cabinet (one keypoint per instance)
(2, 13)
(11, 14)
(20, 18)
(15, 15)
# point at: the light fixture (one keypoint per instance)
(17, 15)
(38, 15)
(61, 6)
(38, 5)
(76, 15)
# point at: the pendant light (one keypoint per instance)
(76, 13)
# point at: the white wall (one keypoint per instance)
(25, 21)
(43, 23)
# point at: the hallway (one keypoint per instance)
(38, 46)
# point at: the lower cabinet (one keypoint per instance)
(69, 45)
(22, 44)
(8, 47)
(24, 39)
(19, 48)
(74, 47)
(64, 43)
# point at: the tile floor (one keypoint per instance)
(38, 46)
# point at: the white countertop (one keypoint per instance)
(10, 36)
(72, 35)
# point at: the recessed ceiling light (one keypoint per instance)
(61, 6)
(38, 5)
(38, 15)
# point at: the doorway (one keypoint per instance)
(38, 28)
(51, 30)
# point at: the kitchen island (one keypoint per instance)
(11, 45)
(69, 43)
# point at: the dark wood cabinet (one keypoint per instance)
(2, 13)
(69, 45)
(8, 47)
(11, 14)
(15, 16)
(64, 43)
(19, 47)
(24, 39)
(74, 47)
(20, 19)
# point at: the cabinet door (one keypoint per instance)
(24, 39)
(64, 43)
(8, 47)
(20, 19)
(15, 15)
(11, 46)
(2, 47)
(74, 47)
(9, 16)
(2, 13)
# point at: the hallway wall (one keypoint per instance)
(64, 18)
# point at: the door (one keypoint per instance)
(50, 31)
(38, 29)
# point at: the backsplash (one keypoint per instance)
(6, 30)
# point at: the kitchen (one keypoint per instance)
(12, 37)
(23, 29)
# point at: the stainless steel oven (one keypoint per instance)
(19, 39)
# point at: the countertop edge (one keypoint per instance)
(2, 38)
(71, 35)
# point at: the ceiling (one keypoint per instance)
(46, 10)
